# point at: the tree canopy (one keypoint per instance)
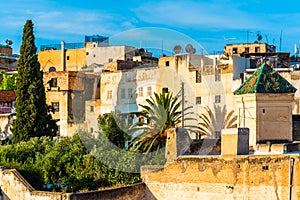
(32, 117)
(8, 81)
(162, 112)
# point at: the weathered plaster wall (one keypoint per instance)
(214, 177)
(3, 121)
(268, 116)
(133, 192)
(15, 187)
(75, 59)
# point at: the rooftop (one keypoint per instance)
(265, 80)
(7, 95)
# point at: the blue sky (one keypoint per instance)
(210, 24)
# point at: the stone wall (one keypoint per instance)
(14, 186)
(215, 177)
(133, 192)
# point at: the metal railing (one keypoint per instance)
(5, 110)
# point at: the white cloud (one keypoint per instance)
(191, 14)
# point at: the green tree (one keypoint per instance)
(32, 116)
(162, 112)
(8, 81)
(112, 125)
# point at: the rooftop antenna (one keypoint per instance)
(280, 41)
(162, 48)
(248, 32)
(296, 50)
(267, 39)
(228, 39)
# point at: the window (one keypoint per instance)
(110, 60)
(165, 90)
(140, 92)
(55, 106)
(217, 99)
(109, 94)
(247, 50)
(198, 100)
(234, 50)
(198, 76)
(87, 53)
(167, 63)
(257, 49)
(265, 167)
(52, 69)
(92, 108)
(53, 82)
(141, 119)
(149, 91)
(217, 134)
(217, 74)
(123, 96)
(68, 57)
(91, 130)
(130, 120)
(129, 93)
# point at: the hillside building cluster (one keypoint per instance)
(251, 85)
(91, 78)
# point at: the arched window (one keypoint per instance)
(52, 69)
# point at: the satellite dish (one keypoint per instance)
(8, 42)
(190, 49)
(141, 51)
(177, 49)
(259, 37)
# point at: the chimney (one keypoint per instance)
(63, 61)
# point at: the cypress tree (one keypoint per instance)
(32, 116)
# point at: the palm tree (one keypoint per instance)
(210, 122)
(162, 113)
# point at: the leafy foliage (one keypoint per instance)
(32, 117)
(8, 81)
(63, 162)
(162, 113)
(112, 125)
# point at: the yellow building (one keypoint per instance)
(207, 81)
(63, 59)
(241, 49)
(66, 93)
(66, 57)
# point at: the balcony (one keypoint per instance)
(5, 110)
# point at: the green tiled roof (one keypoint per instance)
(265, 80)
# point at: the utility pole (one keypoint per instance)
(182, 104)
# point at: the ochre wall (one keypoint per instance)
(53, 58)
(214, 177)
